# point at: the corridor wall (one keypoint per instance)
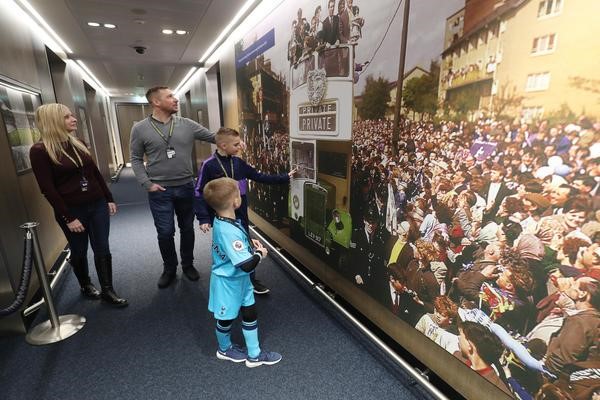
(26, 82)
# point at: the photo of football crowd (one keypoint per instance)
(476, 220)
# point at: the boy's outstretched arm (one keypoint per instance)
(251, 173)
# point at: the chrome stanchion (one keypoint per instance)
(57, 328)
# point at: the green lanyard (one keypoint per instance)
(167, 140)
(223, 168)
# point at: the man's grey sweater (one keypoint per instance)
(160, 169)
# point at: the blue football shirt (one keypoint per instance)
(231, 247)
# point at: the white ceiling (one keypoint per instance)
(109, 53)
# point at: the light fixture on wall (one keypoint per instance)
(18, 88)
(218, 41)
(167, 31)
(89, 73)
(180, 32)
(48, 36)
(110, 26)
(184, 80)
(94, 24)
(228, 29)
(29, 10)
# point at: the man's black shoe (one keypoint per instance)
(191, 273)
(166, 279)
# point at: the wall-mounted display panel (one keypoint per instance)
(473, 218)
(18, 115)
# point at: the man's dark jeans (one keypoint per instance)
(179, 201)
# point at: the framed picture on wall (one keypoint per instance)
(85, 133)
(17, 108)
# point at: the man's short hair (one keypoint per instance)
(487, 344)
(220, 192)
(152, 91)
(588, 181)
(224, 133)
(499, 168)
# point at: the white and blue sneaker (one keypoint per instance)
(264, 358)
(235, 353)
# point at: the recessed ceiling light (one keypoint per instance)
(110, 26)
(180, 32)
(93, 24)
(167, 31)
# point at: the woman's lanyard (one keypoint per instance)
(170, 149)
(223, 167)
(83, 183)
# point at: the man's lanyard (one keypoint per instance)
(223, 168)
(167, 140)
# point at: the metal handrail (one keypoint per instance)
(399, 360)
(57, 277)
(115, 177)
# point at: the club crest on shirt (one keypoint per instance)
(238, 245)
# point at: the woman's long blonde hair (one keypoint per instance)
(50, 121)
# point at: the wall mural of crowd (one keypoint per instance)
(480, 226)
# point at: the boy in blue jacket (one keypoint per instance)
(224, 163)
(234, 256)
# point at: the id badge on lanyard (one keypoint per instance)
(84, 184)
(170, 153)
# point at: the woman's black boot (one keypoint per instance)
(104, 268)
(80, 268)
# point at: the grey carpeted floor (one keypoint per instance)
(163, 347)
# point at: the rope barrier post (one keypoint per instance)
(57, 328)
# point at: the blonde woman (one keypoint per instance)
(82, 203)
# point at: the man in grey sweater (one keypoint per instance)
(167, 141)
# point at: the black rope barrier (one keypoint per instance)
(25, 278)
